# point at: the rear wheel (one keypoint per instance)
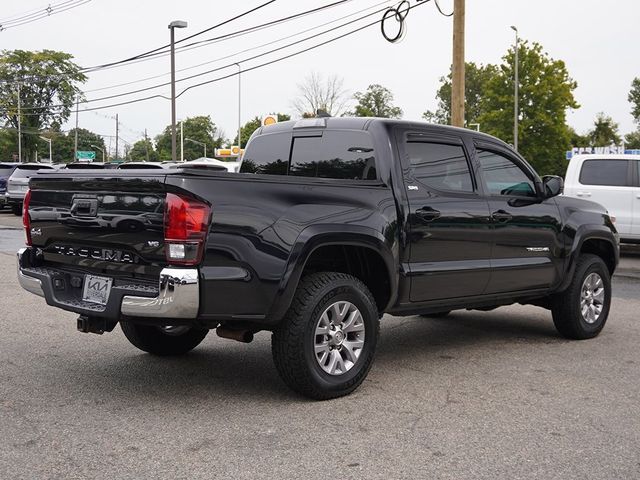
(165, 340)
(16, 208)
(325, 344)
(581, 311)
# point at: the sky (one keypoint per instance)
(597, 40)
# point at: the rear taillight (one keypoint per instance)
(186, 221)
(26, 221)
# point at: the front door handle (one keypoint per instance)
(428, 213)
(501, 216)
(583, 194)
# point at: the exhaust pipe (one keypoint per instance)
(244, 336)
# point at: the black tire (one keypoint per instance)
(293, 343)
(16, 208)
(436, 314)
(155, 340)
(566, 308)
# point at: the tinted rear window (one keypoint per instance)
(80, 166)
(342, 155)
(137, 166)
(27, 170)
(604, 172)
(267, 154)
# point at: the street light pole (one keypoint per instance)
(48, 140)
(19, 127)
(95, 146)
(198, 143)
(172, 26)
(239, 103)
(515, 94)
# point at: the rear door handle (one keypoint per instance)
(501, 216)
(583, 194)
(428, 213)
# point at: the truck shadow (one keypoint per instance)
(224, 371)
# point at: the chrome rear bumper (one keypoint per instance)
(178, 294)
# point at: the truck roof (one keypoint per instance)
(363, 123)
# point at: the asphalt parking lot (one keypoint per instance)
(477, 395)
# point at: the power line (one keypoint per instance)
(38, 14)
(209, 41)
(151, 97)
(224, 22)
(109, 87)
(206, 72)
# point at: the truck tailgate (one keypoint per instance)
(104, 222)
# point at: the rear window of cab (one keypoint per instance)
(337, 154)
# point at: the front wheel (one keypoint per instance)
(163, 340)
(325, 345)
(581, 311)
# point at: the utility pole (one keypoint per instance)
(116, 157)
(239, 102)
(172, 26)
(146, 144)
(75, 143)
(516, 80)
(182, 140)
(19, 127)
(457, 70)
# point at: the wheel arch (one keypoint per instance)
(594, 239)
(350, 249)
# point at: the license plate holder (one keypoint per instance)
(96, 289)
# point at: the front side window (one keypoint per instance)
(604, 172)
(267, 154)
(440, 166)
(346, 155)
(503, 176)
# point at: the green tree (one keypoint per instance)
(632, 140)
(252, 125)
(201, 129)
(62, 145)
(634, 99)
(47, 82)
(577, 140)
(476, 78)
(8, 145)
(605, 132)
(376, 101)
(143, 151)
(545, 94)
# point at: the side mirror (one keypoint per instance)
(552, 185)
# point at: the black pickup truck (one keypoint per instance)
(330, 223)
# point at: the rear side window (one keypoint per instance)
(440, 166)
(267, 154)
(604, 172)
(346, 155)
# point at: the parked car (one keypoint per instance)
(6, 169)
(331, 223)
(612, 181)
(18, 183)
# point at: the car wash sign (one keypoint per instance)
(610, 150)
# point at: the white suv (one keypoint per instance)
(614, 182)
